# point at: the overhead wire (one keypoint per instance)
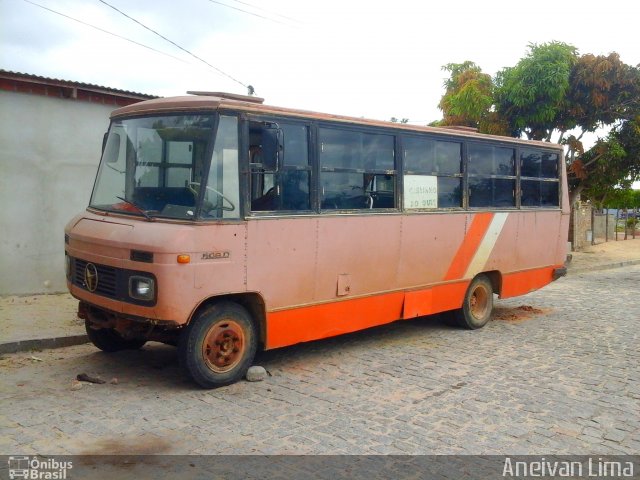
(248, 12)
(266, 11)
(176, 45)
(103, 30)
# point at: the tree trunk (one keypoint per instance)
(626, 222)
(573, 194)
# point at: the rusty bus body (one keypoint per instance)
(201, 242)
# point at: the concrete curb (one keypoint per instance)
(606, 266)
(41, 343)
(68, 341)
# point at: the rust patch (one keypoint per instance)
(518, 314)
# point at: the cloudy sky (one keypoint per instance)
(370, 58)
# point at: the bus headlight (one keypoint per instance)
(142, 288)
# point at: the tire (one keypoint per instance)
(219, 344)
(108, 340)
(477, 305)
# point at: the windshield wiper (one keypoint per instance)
(137, 207)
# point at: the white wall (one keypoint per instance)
(49, 153)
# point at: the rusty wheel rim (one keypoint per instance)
(479, 302)
(223, 346)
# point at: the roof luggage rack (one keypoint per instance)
(228, 96)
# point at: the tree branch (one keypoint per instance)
(594, 159)
(548, 138)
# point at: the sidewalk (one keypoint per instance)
(49, 321)
(605, 255)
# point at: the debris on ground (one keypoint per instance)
(529, 308)
(256, 374)
(113, 381)
(83, 377)
(76, 385)
(523, 312)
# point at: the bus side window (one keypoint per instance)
(492, 176)
(539, 184)
(280, 179)
(433, 173)
(357, 169)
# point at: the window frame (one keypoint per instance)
(557, 180)
(460, 176)
(469, 176)
(207, 170)
(395, 172)
(246, 167)
(399, 172)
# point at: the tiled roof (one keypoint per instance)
(89, 87)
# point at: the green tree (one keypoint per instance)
(624, 198)
(468, 96)
(532, 95)
(606, 162)
(553, 94)
(613, 164)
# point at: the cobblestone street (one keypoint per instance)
(557, 371)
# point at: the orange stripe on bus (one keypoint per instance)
(303, 324)
(470, 244)
(436, 299)
(521, 283)
(314, 322)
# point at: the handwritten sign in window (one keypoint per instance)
(420, 191)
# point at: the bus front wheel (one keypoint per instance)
(477, 306)
(218, 345)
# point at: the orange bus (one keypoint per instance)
(222, 226)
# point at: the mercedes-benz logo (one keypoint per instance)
(91, 277)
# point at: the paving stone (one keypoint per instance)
(614, 435)
(565, 381)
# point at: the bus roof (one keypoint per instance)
(203, 101)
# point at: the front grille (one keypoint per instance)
(112, 282)
(107, 278)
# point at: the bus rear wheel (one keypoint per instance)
(218, 345)
(477, 306)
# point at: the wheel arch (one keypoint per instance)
(495, 277)
(251, 301)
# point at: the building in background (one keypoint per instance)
(50, 143)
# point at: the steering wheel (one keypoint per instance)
(228, 208)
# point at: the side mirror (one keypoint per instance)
(272, 146)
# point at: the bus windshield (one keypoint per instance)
(164, 166)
